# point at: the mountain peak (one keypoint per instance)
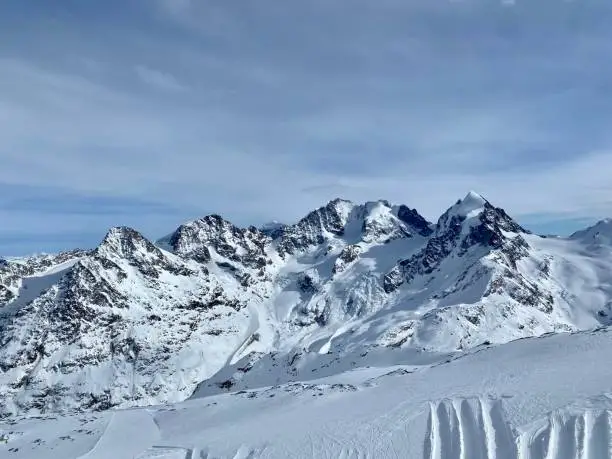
(336, 201)
(342, 207)
(415, 220)
(119, 233)
(600, 233)
(196, 240)
(125, 241)
(470, 206)
(146, 325)
(473, 195)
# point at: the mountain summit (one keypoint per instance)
(213, 306)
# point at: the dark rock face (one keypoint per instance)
(489, 232)
(307, 284)
(521, 290)
(377, 223)
(450, 236)
(383, 229)
(348, 255)
(12, 271)
(5, 294)
(510, 281)
(194, 240)
(199, 253)
(129, 244)
(393, 279)
(319, 315)
(309, 231)
(437, 249)
(413, 219)
(100, 315)
(455, 236)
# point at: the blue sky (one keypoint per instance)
(150, 112)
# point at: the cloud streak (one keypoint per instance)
(264, 112)
(158, 79)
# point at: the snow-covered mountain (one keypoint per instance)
(213, 307)
(537, 398)
(599, 234)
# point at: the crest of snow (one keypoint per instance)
(380, 222)
(470, 206)
(343, 207)
(378, 211)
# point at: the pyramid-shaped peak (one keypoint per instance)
(117, 233)
(336, 209)
(474, 197)
(124, 241)
(212, 220)
(342, 206)
(473, 204)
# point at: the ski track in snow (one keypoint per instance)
(248, 336)
(468, 429)
(136, 425)
(584, 435)
(477, 429)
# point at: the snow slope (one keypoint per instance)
(536, 398)
(213, 308)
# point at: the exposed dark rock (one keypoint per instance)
(309, 231)
(413, 219)
(307, 284)
(195, 239)
(348, 255)
(450, 236)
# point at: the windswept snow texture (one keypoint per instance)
(350, 288)
(536, 398)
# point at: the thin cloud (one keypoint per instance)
(259, 112)
(174, 6)
(159, 79)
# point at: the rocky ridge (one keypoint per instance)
(134, 322)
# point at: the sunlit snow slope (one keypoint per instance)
(213, 308)
(536, 398)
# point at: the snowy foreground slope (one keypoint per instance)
(213, 309)
(539, 398)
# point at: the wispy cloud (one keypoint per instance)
(175, 6)
(19, 199)
(262, 112)
(158, 79)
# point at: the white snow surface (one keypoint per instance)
(470, 206)
(536, 398)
